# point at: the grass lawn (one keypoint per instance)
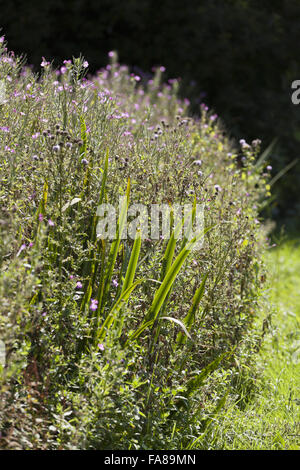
(272, 420)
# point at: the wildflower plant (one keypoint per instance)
(115, 343)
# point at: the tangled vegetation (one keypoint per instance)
(123, 344)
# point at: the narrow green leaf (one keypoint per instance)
(139, 331)
(115, 309)
(115, 246)
(283, 171)
(130, 273)
(169, 279)
(83, 149)
(131, 269)
(104, 177)
(194, 383)
(190, 317)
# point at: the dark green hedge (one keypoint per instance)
(239, 56)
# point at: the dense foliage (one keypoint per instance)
(240, 56)
(122, 344)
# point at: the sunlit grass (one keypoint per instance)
(272, 419)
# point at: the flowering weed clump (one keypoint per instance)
(120, 344)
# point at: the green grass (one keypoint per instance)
(272, 420)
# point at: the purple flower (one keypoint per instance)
(244, 144)
(23, 247)
(85, 64)
(41, 217)
(101, 347)
(94, 304)
(115, 283)
(44, 62)
(269, 168)
(78, 285)
(50, 223)
(84, 161)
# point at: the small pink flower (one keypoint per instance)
(94, 304)
(41, 217)
(101, 347)
(78, 285)
(44, 62)
(50, 223)
(23, 247)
